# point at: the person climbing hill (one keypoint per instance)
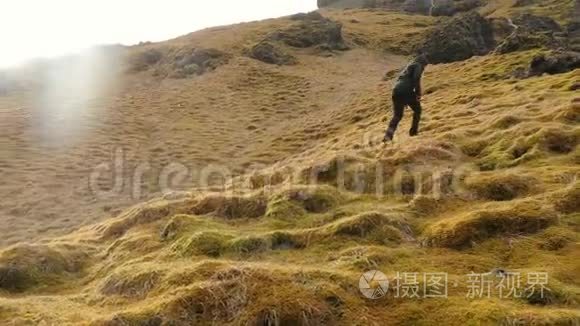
(407, 92)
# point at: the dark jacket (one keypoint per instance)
(409, 81)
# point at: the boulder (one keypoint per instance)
(312, 32)
(536, 24)
(554, 63)
(452, 7)
(573, 33)
(354, 3)
(532, 32)
(143, 59)
(417, 6)
(460, 38)
(198, 61)
(524, 40)
(270, 53)
(313, 15)
(424, 7)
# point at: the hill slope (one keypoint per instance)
(489, 186)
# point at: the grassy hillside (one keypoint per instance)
(489, 186)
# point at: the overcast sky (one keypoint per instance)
(45, 28)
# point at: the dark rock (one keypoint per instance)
(270, 53)
(354, 3)
(554, 63)
(501, 28)
(308, 33)
(459, 38)
(424, 7)
(521, 40)
(452, 7)
(417, 6)
(198, 62)
(536, 24)
(143, 59)
(14, 279)
(532, 32)
(573, 32)
(313, 15)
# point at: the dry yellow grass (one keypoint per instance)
(286, 252)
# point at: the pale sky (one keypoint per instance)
(43, 28)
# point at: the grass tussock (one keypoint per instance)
(500, 186)
(207, 243)
(423, 205)
(231, 206)
(523, 217)
(556, 238)
(297, 201)
(567, 200)
(23, 267)
(130, 283)
(374, 226)
(143, 214)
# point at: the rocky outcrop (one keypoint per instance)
(352, 3)
(425, 7)
(530, 32)
(311, 30)
(198, 61)
(142, 60)
(554, 63)
(271, 53)
(573, 28)
(537, 24)
(452, 7)
(523, 40)
(417, 6)
(459, 38)
(470, 34)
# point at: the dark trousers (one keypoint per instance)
(399, 104)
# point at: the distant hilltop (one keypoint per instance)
(426, 7)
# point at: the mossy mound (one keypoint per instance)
(244, 295)
(297, 201)
(208, 243)
(501, 151)
(373, 226)
(556, 238)
(567, 200)
(423, 205)
(143, 214)
(464, 231)
(231, 206)
(23, 267)
(249, 245)
(500, 186)
(130, 283)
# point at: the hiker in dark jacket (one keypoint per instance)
(407, 92)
